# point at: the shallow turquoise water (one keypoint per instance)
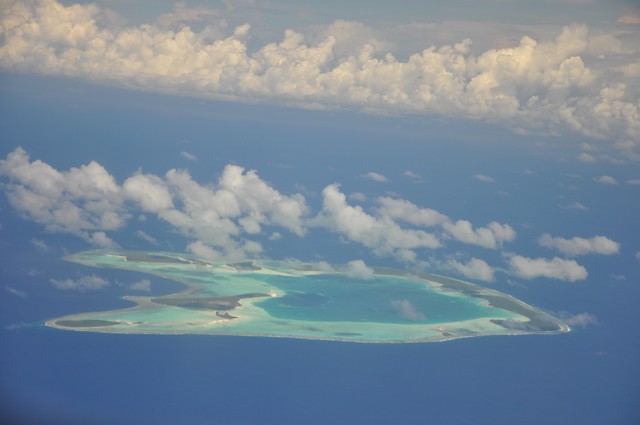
(298, 303)
(383, 299)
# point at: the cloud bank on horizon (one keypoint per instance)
(576, 81)
(231, 218)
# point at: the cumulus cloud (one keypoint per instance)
(99, 239)
(587, 157)
(261, 203)
(580, 246)
(574, 206)
(357, 269)
(544, 85)
(400, 209)
(605, 180)
(220, 218)
(555, 268)
(484, 179)
(16, 292)
(84, 201)
(358, 196)
(408, 311)
(383, 235)
(492, 236)
(188, 156)
(83, 283)
(275, 236)
(412, 175)
(376, 177)
(40, 245)
(199, 249)
(149, 191)
(142, 285)
(88, 202)
(580, 320)
(146, 237)
(474, 269)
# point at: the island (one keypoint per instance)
(294, 299)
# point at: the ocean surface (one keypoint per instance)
(49, 376)
(59, 377)
(590, 376)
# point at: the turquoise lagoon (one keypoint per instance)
(305, 300)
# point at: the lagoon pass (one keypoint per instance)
(292, 299)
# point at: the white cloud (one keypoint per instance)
(261, 203)
(358, 196)
(408, 311)
(542, 84)
(88, 202)
(83, 283)
(350, 36)
(580, 246)
(605, 180)
(376, 177)
(40, 245)
(16, 292)
(586, 157)
(149, 191)
(84, 201)
(635, 182)
(412, 175)
(484, 179)
(637, 255)
(408, 212)
(581, 319)
(383, 235)
(188, 156)
(275, 236)
(574, 206)
(201, 250)
(474, 269)
(555, 268)
(99, 239)
(141, 285)
(146, 237)
(491, 236)
(357, 269)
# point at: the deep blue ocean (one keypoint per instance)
(49, 376)
(55, 377)
(590, 376)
